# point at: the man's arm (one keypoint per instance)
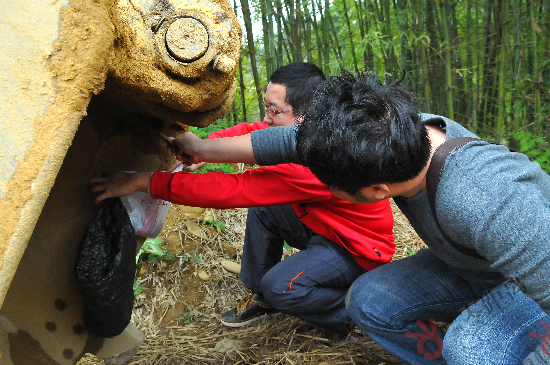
(264, 147)
(191, 149)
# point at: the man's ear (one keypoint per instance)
(298, 119)
(379, 191)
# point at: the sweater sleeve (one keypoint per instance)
(275, 145)
(274, 185)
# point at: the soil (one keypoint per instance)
(179, 312)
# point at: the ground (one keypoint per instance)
(183, 297)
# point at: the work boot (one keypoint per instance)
(251, 308)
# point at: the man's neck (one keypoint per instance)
(415, 186)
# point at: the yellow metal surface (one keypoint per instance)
(79, 77)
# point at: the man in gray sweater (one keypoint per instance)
(368, 142)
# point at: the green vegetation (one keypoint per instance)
(218, 224)
(204, 133)
(156, 251)
(185, 316)
(482, 63)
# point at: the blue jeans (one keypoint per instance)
(311, 284)
(399, 304)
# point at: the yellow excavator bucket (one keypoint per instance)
(84, 82)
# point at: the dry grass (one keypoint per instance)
(179, 313)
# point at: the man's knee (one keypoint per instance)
(280, 294)
(363, 303)
(477, 341)
(465, 344)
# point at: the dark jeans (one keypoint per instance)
(311, 284)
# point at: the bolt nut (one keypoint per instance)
(224, 64)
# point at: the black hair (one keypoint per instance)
(357, 132)
(300, 79)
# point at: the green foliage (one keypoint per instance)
(218, 224)
(216, 167)
(204, 133)
(150, 245)
(536, 148)
(214, 127)
(185, 316)
(138, 288)
(411, 253)
(156, 251)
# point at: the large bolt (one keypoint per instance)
(186, 39)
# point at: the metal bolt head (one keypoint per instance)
(186, 39)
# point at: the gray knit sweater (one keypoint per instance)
(488, 198)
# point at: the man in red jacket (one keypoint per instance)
(338, 240)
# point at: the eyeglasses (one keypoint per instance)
(276, 112)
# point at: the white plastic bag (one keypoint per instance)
(147, 214)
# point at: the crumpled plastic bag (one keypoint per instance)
(147, 214)
(105, 269)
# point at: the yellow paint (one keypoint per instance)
(67, 73)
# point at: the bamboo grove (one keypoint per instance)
(483, 63)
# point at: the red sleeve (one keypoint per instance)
(238, 130)
(271, 185)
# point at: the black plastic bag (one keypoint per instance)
(105, 270)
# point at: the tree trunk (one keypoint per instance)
(488, 69)
(391, 63)
(402, 25)
(456, 47)
(469, 87)
(447, 53)
(294, 21)
(362, 24)
(252, 53)
(423, 61)
(318, 41)
(267, 27)
(536, 76)
(243, 89)
(437, 73)
(278, 15)
(326, 36)
(307, 33)
(502, 62)
(350, 35)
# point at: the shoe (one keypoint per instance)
(251, 308)
(353, 336)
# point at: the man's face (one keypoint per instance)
(275, 96)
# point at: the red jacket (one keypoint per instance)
(365, 230)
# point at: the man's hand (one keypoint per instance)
(194, 167)
(118, 184)
(187, 147)
(191, 168)
(190, 149)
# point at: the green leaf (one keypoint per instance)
(138, 288)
